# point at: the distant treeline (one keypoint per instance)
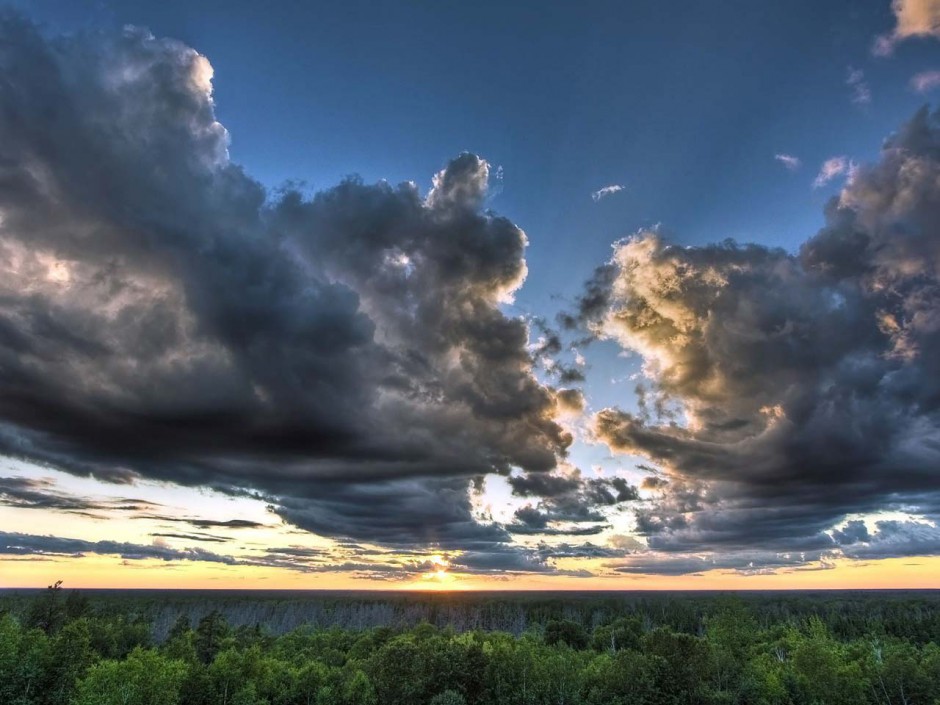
(911, 614)
(101, 648)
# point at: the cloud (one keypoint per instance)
(830, 169)
(39, 546)
(542, 485)
(35, 493)
(570, 400)
(789, 161)
(805, 386)
(361, 563)
(606, 191)
(584, 550)
(744, 563)
(344, 357)
(566, 503)
(191, 537)
(206, 523)
(914, 18)
(893, 538)
(861, 93)
(30, 544)
(654, 482)
(925, 81)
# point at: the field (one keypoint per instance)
(396, 648)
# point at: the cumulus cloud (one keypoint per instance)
(343, 357)
(925, 81)
(790, 162)
(832, 168)
(606, 191)
(570, 400)
(914, 18)
(805, 385)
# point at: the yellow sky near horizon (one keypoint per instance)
(95, 571)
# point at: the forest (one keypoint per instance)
(79, 648)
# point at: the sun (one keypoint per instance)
(437, 577)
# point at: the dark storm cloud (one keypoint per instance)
(548, 520)
(343, 357)
(544, 485)
(584, 550)
(853, 532)
(808, 385)
(518, 561)
(895, 538)
(573, 487)
(566, 500)
(397, 513)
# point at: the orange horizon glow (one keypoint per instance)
(101, 572)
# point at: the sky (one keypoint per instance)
(463, 296)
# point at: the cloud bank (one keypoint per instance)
(791, 390)
(346, 357)
(343, 357)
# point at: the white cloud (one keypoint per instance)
(861, 93)
(789, 161)
(606, 191)
(915, 18)
(925, 81)
(830, 169)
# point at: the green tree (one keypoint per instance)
(822, 671)
(622, 633)
(69, 656)
(448, 697)
(210, 633)
(145, 677)
(683, 660)
(625, 677)
(565, 631)
(358, 689)
(48, 612)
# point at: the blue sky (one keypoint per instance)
(683, 103)
(702, 121)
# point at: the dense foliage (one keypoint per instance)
(64, 649)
